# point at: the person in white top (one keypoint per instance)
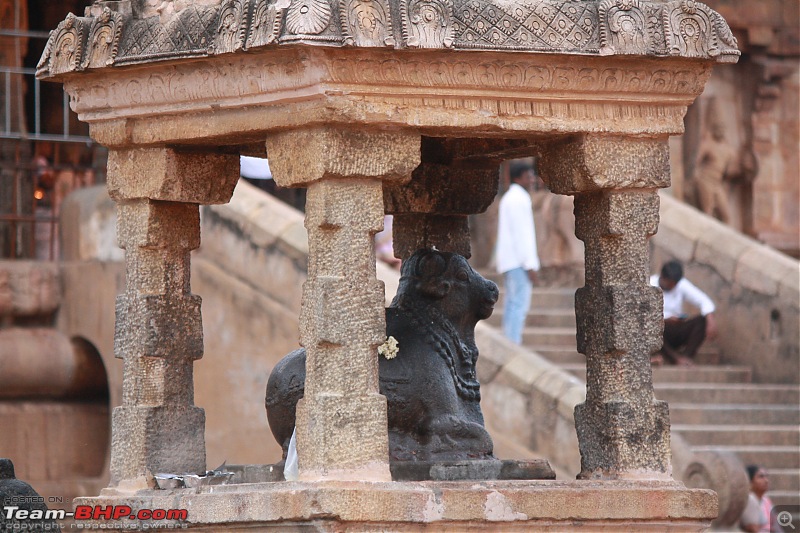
(683, 334)
(516, 254)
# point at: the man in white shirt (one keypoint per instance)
(683, 335)
(516, 255)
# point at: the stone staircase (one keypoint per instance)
(712, 406)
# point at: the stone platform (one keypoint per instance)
(428, 505)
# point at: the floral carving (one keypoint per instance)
(623, 27)
(65, 47)
(695, 30)
(104, 39)
(427, 23)
(179, 29)
(232, 28)
(265, 23)
(366, 22)
(308, 17)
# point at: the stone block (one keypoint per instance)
(508, 412)
(157, 381)
(591, 162)
(343, 436)
(29, 288)
(615, 319)
(153, 224)
(156, 439)
(720, 249)
(789, 287)
(472, 470)
(672, 239)
(608, 506)
(762, 269)
(614, 213)
(300, 157)
(525, 369)
(356, 204)
(443, 190)
(447, 233)
(570, 398)
(495, 351)
(341, 370)
(622, 438)
(329, 299)
(171, 175)
(158, 326)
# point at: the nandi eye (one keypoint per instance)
(462, 275)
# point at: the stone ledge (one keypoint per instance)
(111, 35)
(343, 506)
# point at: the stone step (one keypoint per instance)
(688, 413)
(761, 435)
(682, 374)
(767, 457)
(728, 393)
(549, 318)
(787, 479)
(535, 337)
(786, 497)
(547, 297)
(559, 354)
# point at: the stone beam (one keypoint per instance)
(159, 331)
(623, 431)
(342, 425)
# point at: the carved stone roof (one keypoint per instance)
(123, 32)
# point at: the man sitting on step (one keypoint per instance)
(683, 335)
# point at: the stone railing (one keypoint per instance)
(756, 288)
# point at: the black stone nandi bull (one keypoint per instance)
(432, 391)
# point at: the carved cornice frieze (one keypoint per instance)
(682, 28)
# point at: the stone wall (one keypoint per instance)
(756, 289)
(757, 102)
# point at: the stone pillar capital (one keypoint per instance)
(171, 175)
(591, 162)
(303, 156)
(431, 210)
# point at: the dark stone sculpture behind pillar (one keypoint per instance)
(432, 390)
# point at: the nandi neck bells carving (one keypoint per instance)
(431, 386)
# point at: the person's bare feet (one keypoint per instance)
(684, 361)
(657, 359)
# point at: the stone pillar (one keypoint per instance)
(159, 332)
(342, 425)
(623, 431)
(432, 209)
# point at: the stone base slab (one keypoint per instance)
(430, 505)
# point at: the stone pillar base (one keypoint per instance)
(356, 451)
(411, 506)
(167, 438)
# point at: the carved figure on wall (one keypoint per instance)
(429, 375)
(716, 163)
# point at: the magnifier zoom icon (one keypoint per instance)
(785, 519)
